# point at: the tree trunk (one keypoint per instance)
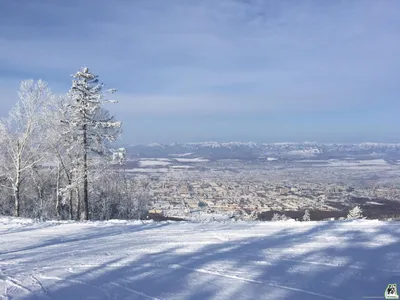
(17, 198)
(58, 192)
(17, 187)
(78, 200)
(85, 173)
(40, 196)
(71, 212)
(71, 195)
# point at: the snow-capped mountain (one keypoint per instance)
(247, 150)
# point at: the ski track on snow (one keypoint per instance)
(235, 277)
(16, 283)
(198, 270)
(108, 296)
(42, 288)
(134, 291)
(33, 255)
(155, 265)
(82, 282)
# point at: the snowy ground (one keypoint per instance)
(243, 260)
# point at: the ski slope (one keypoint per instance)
(232, 260)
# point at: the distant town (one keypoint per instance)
(201, 187)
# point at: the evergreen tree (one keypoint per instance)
(306, 216)
(355, 213)
(92, 130)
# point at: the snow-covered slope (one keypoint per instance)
(134, 260)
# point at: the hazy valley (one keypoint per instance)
(253, 180)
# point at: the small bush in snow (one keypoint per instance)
(306, 216)
(355, 213)
(278, 217)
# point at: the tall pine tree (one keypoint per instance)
(92, 130)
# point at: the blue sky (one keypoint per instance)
(196, 70)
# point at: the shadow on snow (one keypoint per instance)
(315, 263)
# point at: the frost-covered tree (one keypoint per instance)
(118, 156)
(355, 213)
(279, 217)
(118, 196)
(306, 216)
(91, 128)
(24, 137)
(55, 154)
(64, 154)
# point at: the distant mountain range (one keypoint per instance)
(251, 150)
